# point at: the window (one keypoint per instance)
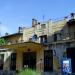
(43, 26)
(55, 37)
(74, 34)
(30, 39)
(43, 39)
(34, 38)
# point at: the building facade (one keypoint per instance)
(58, 36)
(41, 47)
(16, 54)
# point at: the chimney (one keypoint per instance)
(66, 18)
(20, 30)
(38, 23)
(34, 22)
(6, 34)
(72, 15)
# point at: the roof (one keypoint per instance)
(72, 21)
(22, 45)
(15, 34)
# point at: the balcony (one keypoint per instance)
(63, 38)
(67, 36)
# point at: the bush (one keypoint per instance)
(29, 72)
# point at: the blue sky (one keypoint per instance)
(15, 13)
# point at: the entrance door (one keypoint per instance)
(29, 59)
(13, 61)
(71, 54)
(1, 61)
(48, 60)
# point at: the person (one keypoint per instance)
(66, 68)
(40, 65)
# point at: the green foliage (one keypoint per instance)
(2, 41)
(29, 72)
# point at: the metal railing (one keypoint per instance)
(65, 36)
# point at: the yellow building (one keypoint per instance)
(16, 54)
(25, 50)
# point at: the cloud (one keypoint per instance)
(3, 29)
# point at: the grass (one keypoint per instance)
(29, 72)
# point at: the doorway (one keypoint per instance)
(48, 60)
(13, 61)
(29, 60)
(71, 54)
(1, 61)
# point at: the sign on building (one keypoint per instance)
(66, 66)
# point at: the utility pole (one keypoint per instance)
(43, 18)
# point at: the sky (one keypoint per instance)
(16, 13)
